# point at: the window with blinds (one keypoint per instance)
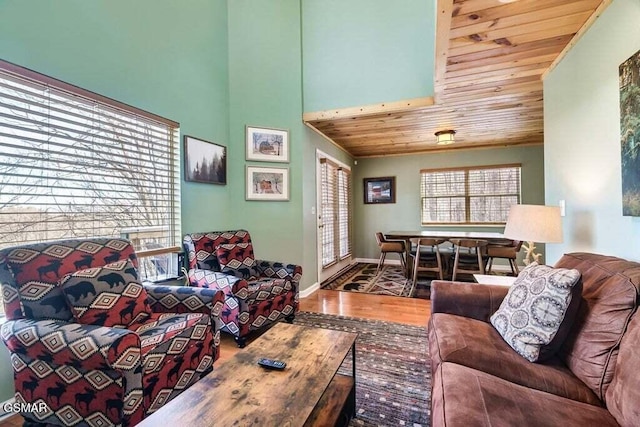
(478, 195)
(336, 212)
(77, 164)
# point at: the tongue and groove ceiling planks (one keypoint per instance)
(491, 58)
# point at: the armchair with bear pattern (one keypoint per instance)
(256, 292)
(87, 338)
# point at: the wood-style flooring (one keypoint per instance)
(411, 311)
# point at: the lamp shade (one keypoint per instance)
(534, 223)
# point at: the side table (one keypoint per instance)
(490, 279)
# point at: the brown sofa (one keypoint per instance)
(593, 380)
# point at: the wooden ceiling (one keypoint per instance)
(491, 57)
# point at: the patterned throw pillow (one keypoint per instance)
(238, 259)
(534, 308)
(107, 296)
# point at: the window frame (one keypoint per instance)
(467, 196)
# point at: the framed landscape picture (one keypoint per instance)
(380, 190)
(204, 161)
(629, 75)
(267, 183)
(269, 145)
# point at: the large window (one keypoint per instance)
(77, 164)
(335, 212)
(479, 195)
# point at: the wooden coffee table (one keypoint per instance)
(239, 392)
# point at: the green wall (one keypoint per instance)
(154, 54)
(582, 137)
(405, 213)
(265, 81)
(360, 52)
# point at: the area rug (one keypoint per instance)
(393, 378)
(362, 277)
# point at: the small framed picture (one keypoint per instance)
(380, 190)
(268, 145)
(267, 183)
(204, 161)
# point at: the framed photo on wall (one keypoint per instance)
(267, 183)
(204, 161)
(629, 76)
(380, 190)
(268, 145)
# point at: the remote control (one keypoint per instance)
(272, 364)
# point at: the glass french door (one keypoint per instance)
(334, 216)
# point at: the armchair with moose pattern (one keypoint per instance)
(93, 343)
(256, 292)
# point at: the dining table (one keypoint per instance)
(492, 237)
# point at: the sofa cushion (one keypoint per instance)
(609, 299)
(535, 307)
(205, 245)
(238, 259)
(205, 252)
(467, 397)
(478, 345)
(623, 394)
(30, 274)
(107, 296)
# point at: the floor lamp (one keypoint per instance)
(534, 223)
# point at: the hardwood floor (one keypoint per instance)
(411, 311)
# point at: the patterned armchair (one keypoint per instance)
(256, 292)
(93, 343)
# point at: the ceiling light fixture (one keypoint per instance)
(445, 137)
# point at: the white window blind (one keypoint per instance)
(480, 195)
(77, 164)
(336, 212)
(344, 212)
(328, 208)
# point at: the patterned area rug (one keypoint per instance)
(393, 378)
(362, 277)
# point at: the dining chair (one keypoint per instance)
(390, 246)
(470, 258)
(427, 258)
(508, 251)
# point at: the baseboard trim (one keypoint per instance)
(3, 414)
(375, 261)
(311, 289)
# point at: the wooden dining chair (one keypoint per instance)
(470, 258)
(426, 257)
(390, 246)
(508, 251)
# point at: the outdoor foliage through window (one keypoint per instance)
(73, 165)
(469, 195)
